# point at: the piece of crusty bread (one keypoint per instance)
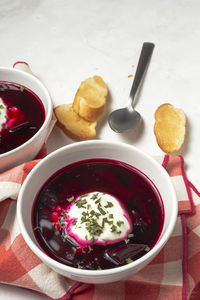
(72, 124)
(90, 98)
(169, 127)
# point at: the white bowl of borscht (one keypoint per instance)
(25, 117)
(97, 211)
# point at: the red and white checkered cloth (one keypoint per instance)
(173, 274)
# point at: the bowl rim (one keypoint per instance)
(106, 272)
(48, 112)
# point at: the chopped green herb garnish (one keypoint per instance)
(130, 235)
(92, 213)
(101, 210)
(90, 248)
(109, 204)
(74, 222)
(79, 267)
(94, 197)
(93, 239)
(5, 126)
(110, 216)
(1, 106)
(110, 222)
(104, 221)
(113, 228)
(97, 201)
(119, 223)
(94, 228)
(129, 260)
(88, 206)
(85, 213)
(70, 199)
(36, 228)
(80, 203)
(97, 215)
(83, 219)
(85, 195)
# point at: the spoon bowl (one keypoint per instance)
(123, 119)
(126, 118)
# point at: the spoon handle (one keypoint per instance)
(144, 59)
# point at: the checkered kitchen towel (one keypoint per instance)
(173, 274)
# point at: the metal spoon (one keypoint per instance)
(125, 118)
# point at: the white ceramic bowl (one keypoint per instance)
(86, 150)
(30, 149)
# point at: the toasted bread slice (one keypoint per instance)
(72, 124)
(90, 98)
(169, 127)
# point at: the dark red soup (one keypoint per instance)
(21, 115)
(69, 189)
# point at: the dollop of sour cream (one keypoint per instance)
(10, 116)
(96, 218)
(3, 114)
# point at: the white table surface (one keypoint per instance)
(67, 41)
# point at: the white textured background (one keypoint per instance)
(66, 41)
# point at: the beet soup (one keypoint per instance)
(97, 214)
(21, 115)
